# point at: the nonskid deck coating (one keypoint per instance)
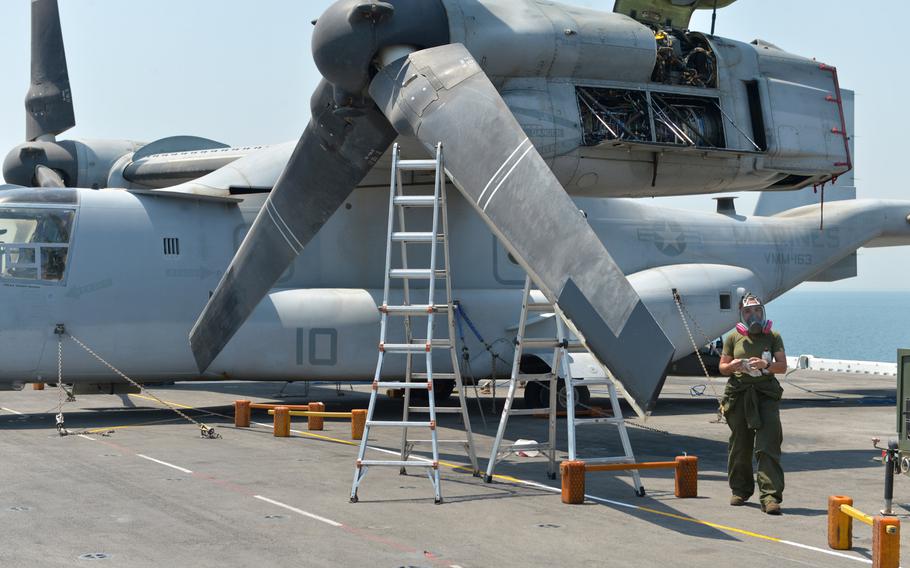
(152, 493)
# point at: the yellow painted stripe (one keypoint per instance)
(178, 405)
(708, 524)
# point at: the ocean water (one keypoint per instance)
(867, 326)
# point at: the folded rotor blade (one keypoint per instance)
(441, 94)
(331, 158)
(49, 102)
(46, 177)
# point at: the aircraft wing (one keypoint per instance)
(675, 13)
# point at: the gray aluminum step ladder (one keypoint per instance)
(399, 207)
(562, 344)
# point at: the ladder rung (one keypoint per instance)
(539, 343)
(438, 409)
(416, 273)
(416, 237)
(524, 447)
(591, 382)
(414, 309)
(528, 411)
(399, 423)
(461, 442)
(437, 344)
(401, 385)
(605, 420)
(397, 463)
(537, 377)
(417, 165)
(545, 343)
(403, 347)
(540, 307)
(435, 376)
(414, 200)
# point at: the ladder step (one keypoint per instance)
(549, 343)
(424, 376)
(591, 382)
(539, 343)
(528, 411)
(396, 463)
(417, 346)
(399, 424)
(416, 273)
(417, 165)
(416, 237)
(460, 442)
(524, 447)
(401, 385)
(540, 307)
(414, 309)
(438, 409)
(403, 347)
(605, 420)
(414, 200)
(538, 377)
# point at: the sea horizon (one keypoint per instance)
(839, 324)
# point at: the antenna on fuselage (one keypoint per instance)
(713, 18)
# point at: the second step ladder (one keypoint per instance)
(562, 344)
(411, 315)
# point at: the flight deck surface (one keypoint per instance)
(153, 493)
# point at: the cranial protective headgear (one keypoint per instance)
(755, 322)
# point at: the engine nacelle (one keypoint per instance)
(710, 290)
(81, 163)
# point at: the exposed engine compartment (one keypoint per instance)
(684, 58)
(626, 115)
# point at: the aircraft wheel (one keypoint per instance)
(582, 396)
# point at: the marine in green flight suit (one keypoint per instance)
(752, 354)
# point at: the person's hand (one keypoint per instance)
(758, 363)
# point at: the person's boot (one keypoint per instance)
(771, 508)
(737, 501)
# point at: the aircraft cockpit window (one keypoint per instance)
(34, 242)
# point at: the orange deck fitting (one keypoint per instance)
(886, 531)
(573, 476)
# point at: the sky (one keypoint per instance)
(240, 72)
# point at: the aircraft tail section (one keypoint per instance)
(774, 202)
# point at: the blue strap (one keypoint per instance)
(459, 311)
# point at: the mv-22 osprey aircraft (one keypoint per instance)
(533, 102)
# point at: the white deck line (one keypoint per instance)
(170, 465)
(329, 522)
(10, 410)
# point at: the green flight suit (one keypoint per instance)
(752, 408)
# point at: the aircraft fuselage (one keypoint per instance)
(141, 267)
